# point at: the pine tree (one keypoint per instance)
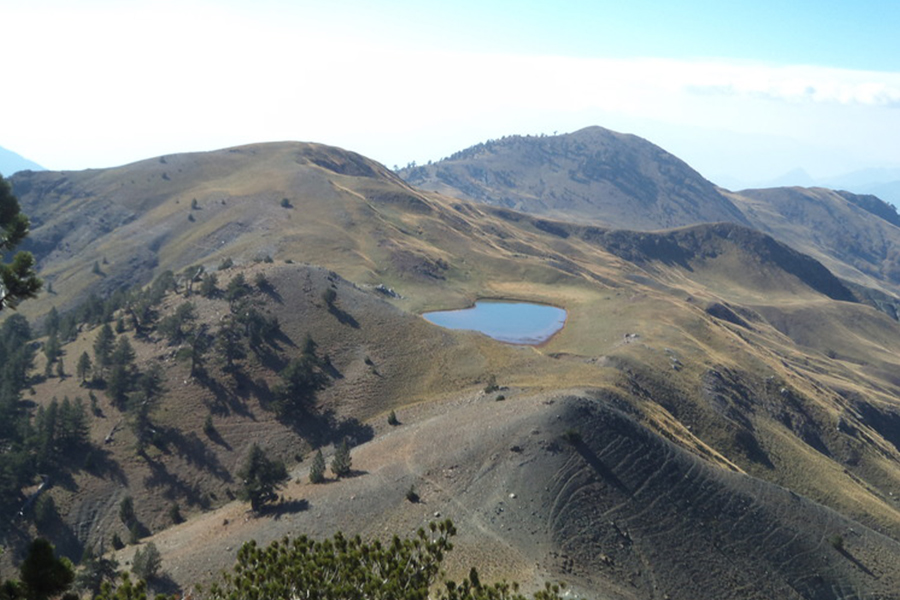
(83, 367)
(18, 280)
(123, 354)
(103, 347)
(43, 574)
(341, 462)
(208, 287)
(317, 469)
(260, 477)
(146, 562)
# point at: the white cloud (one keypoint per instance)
(113, 83)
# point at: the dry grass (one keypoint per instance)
(741, 407)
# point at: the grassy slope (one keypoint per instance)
(761, 398)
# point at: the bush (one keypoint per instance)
(412, 495)
(392, 419)
(175, 514)
(344, 567)
(572, 436)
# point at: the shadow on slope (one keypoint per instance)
(630, 506)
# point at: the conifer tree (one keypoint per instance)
(103, 347)
(317, 469)
(260, 477)
(83, 367)
(341, 462)
(18, 280)
(43, 574)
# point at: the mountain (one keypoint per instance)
(718, 417)
(621, 181)
(10, 162)
(855, 236)
(593, 174)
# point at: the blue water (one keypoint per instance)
(510, 322)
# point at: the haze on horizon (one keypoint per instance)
(742, 93)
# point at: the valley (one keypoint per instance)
(718, 418)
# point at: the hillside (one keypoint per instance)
(624, 182)
(592, 174)
(718, 412)
(855, 236)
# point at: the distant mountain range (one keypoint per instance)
(884, 182)
(10, 163)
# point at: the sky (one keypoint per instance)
(743, 91)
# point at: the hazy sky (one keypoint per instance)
(747, 90)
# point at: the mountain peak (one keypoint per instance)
(593, 174)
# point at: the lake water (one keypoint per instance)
(510, 322)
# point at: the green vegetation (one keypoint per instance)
(300, 381)
(45, 440)
(208, 286)
(339, 567)
(341, 462)
(18, 280)
(83, 367)
(95, 569)
(146, 562)
(260, 477)
(317, 469)
(42, 574)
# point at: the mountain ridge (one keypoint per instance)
(705, 372)
(591, 172)
(626, 187)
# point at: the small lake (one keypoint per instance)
(510, 322)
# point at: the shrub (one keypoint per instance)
(392, 419)
(146, 562)
(208, 427)
(175, 514)
(572, 436)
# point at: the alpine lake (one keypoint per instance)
(521, 323)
